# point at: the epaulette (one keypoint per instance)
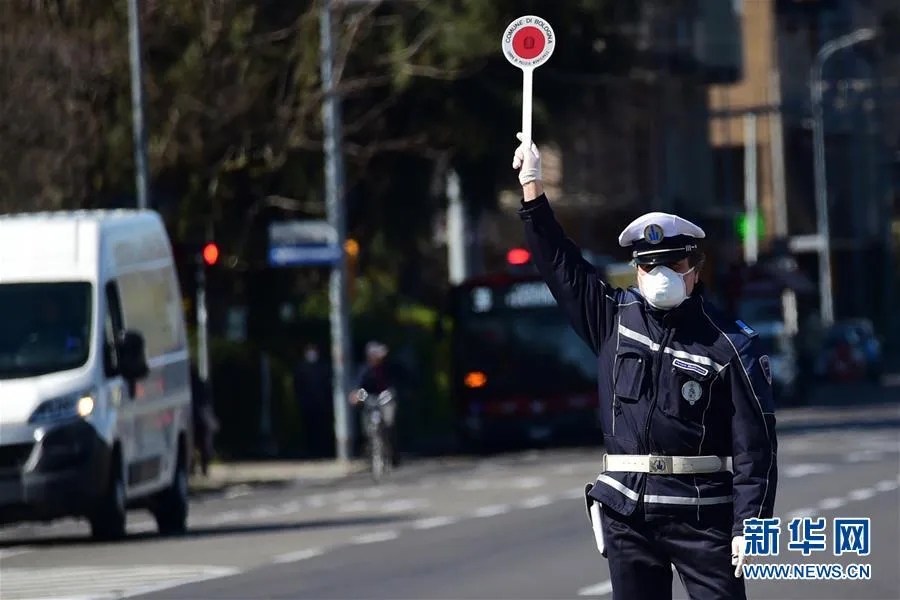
(748, 331)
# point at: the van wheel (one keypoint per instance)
(171, 506)
(110, 514)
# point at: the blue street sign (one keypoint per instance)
(302, 243)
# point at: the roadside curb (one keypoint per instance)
(276, 474)
(870, 416)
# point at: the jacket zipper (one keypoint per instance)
(657, 369)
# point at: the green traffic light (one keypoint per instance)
(741, 225)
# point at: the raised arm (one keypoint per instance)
(576, 285)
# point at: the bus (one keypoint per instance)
(519, 371)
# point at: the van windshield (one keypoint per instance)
(44, 327)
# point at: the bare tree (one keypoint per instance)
(50, 131)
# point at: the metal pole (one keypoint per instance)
(268, 445)
(826, 299)
(751, 199)
(202, 324)
(334, 201)
(457, 231)
(776, 153)
(137, 105)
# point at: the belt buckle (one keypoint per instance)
(660, 464)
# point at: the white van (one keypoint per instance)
(95, 403)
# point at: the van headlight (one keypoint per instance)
(71, 406)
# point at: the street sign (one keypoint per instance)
(302, 243)
(528, 43)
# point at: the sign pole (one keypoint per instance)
(527, 100)
(339, 316)
(527, 43)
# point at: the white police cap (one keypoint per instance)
(658, 237)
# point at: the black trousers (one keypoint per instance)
(641, 550)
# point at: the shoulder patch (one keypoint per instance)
(746, 328)
(766, 367)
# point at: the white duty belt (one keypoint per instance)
(665, 465)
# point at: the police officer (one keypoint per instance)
(686, 405)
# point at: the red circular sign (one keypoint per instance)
(528, 42)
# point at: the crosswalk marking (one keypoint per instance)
(100, 583)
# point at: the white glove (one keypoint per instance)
(738, 555)
(527, 162)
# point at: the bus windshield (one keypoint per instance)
(521, 341)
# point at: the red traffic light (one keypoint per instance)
(210, 253)
(518, 256)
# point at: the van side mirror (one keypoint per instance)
(132, 355)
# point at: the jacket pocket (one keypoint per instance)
(689, 391)
(630, 379)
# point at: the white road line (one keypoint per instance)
(404, 504)
(802, 470)
(604, 588)
(864, 456)
(373, 493)
(527, 483)
(433, 522)
(863, 494)
(536, 502)
(378, 536)
(10, 552)
(297, 556)
(491, 511)
(216, 573)
(358, 506)
(800, 514)
(290, 507)
(104, 582)
(474, 485)
(886, 486)
(237, 491)
(574, 494)
(262, 512)
(831, 503)
(226, 517)
(315, 501)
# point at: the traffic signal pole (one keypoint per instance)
(202, 323)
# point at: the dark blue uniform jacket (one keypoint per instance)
(646, 357)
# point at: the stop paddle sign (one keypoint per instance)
(528, 43)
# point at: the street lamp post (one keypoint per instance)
(335, 206)
(818, 122)
(137, 104)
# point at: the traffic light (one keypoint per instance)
(742, 226)
(518, 256)
(351, 248)
(210, 253)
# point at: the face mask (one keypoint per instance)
(663, 288)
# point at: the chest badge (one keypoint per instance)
(691, 391)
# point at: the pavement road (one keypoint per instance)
(505, 527)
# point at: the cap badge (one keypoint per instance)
(653, 233)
